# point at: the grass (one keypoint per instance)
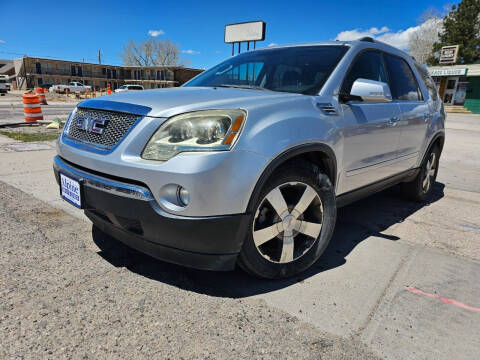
(29, 137)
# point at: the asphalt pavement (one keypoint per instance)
(399, 280)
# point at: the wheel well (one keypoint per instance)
(319, 155)
(318, 158)
(440, 140)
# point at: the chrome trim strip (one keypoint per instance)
(103, 184)
(115, 106)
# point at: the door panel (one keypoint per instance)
(413, 125)
(370, 142)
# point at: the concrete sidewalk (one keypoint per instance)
(395, 275)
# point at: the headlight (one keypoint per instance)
(208, 130)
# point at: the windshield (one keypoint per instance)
(300, 69)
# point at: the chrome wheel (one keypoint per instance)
(429, 175)
(288, 222)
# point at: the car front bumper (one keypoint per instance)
(129, 213)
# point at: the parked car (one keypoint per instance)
(247, 163)
(5, 79)
(128, 87)
(72, 87)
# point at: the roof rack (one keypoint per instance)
(367, 39)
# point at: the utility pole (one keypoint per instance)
(99, 57)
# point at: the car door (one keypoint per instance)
(369, 132)
(416, 112)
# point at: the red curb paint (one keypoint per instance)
(445, 300)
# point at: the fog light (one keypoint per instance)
(183, 196)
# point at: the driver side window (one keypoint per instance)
(368, 65)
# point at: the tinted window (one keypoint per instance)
(368, 65)
(429, 83)
(402, 81)
(300, 69)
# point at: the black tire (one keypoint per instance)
(304, 173)
(416, 189)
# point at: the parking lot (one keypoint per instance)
(398, 281)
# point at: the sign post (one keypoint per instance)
(245, 32)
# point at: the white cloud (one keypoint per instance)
(2, 41)
(191, 52)
(272, 44)
(398, 39)
(155, 33)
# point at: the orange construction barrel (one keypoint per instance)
(41, 95)
(31, 107)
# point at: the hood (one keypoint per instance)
(172, 101)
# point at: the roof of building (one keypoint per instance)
(6, 66)
(108, 65)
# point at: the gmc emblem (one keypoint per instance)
(88, 124)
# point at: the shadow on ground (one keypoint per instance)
(355, 223)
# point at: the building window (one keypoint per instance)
(40, 81)
(109, 73)
(79, 71)
(104, 71)
(73, 72)
(114, 73)
(38, 67)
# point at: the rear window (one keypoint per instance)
(429, 83)
(403, 84)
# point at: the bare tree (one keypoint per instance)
(420, 42)
(151, 52)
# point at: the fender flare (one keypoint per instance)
(289, 154)
(440, 134)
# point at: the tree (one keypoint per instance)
(461, 27)
(151, 52)
(421, 41)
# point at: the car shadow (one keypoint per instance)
(371, 216)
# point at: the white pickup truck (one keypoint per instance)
(72, 87)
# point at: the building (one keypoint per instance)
(32, 71)
(458, 85)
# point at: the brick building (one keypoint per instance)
(33, 71)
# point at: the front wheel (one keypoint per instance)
(292, 223)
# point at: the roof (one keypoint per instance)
(108, 65)
(6, 66)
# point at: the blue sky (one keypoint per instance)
(75, 30)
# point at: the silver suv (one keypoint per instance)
(248, 162)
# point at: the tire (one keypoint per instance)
(286, 244)
(420, 189)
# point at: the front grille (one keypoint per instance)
(115, 126)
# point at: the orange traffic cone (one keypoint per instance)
(109, 90)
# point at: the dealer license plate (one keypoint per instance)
(70, 190)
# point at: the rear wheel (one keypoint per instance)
(420, 189)
(292, 223)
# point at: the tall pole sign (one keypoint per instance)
(448, 54)
(245, 32)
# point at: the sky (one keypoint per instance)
(76, 30)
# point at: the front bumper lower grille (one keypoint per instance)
(99, 128)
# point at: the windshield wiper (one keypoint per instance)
(250, 87)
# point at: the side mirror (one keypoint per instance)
(371, 91)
